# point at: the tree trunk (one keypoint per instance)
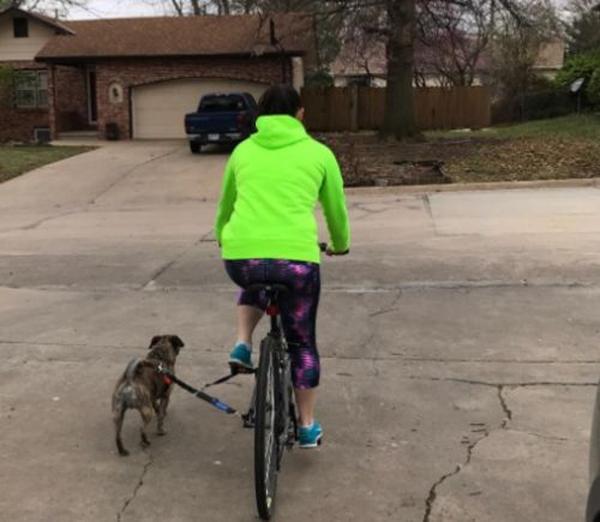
(399, 120)
(178, 7)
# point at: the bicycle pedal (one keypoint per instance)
(237, 369)
(248, 420)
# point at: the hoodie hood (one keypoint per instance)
(276, 131)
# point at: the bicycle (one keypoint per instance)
(272, 411)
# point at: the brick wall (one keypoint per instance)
(134, 72)
(19, 124)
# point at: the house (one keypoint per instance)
(140, 75)
(365, 64)
(550, 59)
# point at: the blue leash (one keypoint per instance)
(213, 401)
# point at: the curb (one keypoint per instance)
(473, 187)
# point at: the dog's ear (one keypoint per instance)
(176, 342)
(154, 340)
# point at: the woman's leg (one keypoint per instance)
(251, 305)
(299, 316)
(306, 400)
(248, 317)
(298, 312)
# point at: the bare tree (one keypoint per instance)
(452, 39)
(393, 22)
(49, 6)
(515, 49)
(583, 29)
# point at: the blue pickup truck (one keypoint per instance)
(221, 119)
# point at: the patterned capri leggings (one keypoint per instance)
(298, 308)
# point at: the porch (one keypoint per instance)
(73, 101)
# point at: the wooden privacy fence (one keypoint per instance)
(362, 108)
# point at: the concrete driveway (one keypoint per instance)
(459, 343)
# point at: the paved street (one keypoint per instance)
(460, 347)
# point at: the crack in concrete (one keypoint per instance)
(390, 308)
(443, 360)
(150, 285)
(423, 286)
(363, 207)
(504, 404)
(207, 238)
(540, 436)
(428, 209)
(39, 222)
(503, 384)
(127, 173)
(137, 487)
(476, 428)
(433, 492)
(486, 432)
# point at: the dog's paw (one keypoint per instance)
(161, 432)
(123, 453)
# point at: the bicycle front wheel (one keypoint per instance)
(265, 437)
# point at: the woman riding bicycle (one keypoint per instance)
(266, 227)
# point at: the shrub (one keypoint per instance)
(319, 78)
(548, 103)
(592, 90)
(579, 66)
(7, 78)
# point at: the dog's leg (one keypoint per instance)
(162, 413)
(147, 413)
(118, 416)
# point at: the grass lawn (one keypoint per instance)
(584, 126)
(559, 148)
(17, 159)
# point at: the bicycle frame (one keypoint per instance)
(282, 360)
(273, 377)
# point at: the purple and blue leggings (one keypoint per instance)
(298, 308)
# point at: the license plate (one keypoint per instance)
(213, 137)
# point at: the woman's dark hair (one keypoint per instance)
(279, 99)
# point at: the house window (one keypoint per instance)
(21, 27)
(31, 89)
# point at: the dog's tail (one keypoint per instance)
(128, 394)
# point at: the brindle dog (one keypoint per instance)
(143, 388)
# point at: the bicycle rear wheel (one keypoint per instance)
(265, 437)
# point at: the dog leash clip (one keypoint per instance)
(165, 373)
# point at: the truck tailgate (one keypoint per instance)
(216, 122)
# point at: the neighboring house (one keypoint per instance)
(357, 64)
(22, 35)
(140, 74)
(360, 63)
(551, 59)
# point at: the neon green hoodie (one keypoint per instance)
(271, 186)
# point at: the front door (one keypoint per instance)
(92, 98)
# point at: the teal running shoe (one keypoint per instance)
(310, 436)
(240, 357)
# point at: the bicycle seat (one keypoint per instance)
(274, 288)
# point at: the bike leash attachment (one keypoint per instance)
(170, 378)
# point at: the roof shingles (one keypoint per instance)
(178, 36)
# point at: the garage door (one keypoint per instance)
(159, 108)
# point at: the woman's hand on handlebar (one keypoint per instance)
(324, 247)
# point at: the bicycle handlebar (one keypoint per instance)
(324, 247)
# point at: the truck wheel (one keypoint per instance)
(195, 147)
